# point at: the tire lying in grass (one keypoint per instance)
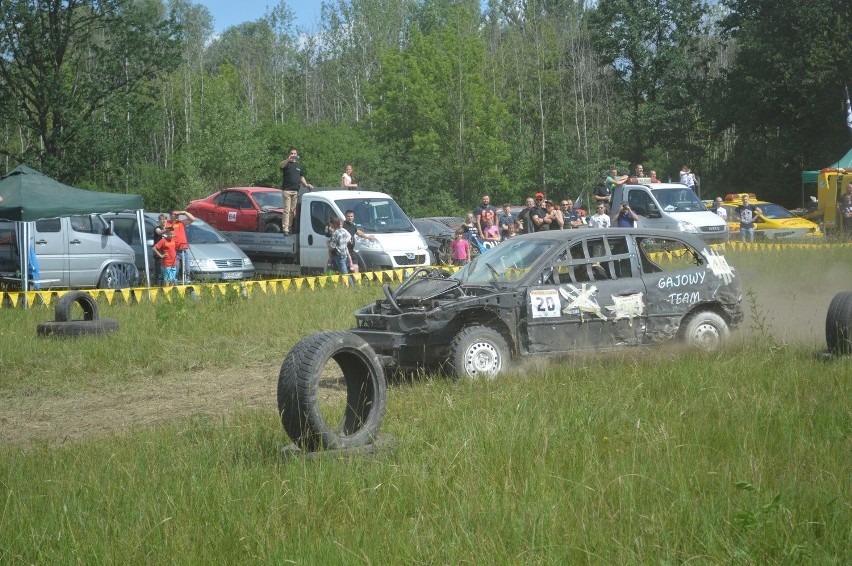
(706, 331)
(838, 324)
(62, 310)
(90, 325)
(478, 351)
(75, 328)
(329, 376)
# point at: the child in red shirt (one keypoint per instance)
(166, 250)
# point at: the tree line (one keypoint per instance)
(434, 101)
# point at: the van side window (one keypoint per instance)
(88, 224)
(638, 201)
(49, 225)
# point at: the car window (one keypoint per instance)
(49, 225)
(638, 201)
(89, 224)
(269, 199)
(125, 228)
(202, 233)
(321, 213)
(667, 254)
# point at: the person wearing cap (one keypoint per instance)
(166, 250)
(538, 213)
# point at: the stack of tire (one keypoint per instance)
(64, 326)
(838, 324)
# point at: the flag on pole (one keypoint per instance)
(848, 112)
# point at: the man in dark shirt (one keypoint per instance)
(524, 217)
(293, 174)
(484, 212)
(354, 230)
(747, 213)
(538, 213)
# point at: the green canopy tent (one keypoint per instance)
(28, 195)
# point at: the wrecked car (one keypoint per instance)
(556, 292)
(549, 293)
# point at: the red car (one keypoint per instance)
(241, 209)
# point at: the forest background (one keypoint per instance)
(434, 101)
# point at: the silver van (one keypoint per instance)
(212, 257)
(671, 206)
(77, 252)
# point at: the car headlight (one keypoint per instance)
(247, 263)
(687, 227)
(365, 244)
(202, 264)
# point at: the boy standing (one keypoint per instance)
(166, 250)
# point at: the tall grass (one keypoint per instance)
(634, 457)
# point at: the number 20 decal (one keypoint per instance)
(545, 303)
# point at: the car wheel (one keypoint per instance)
(118, 276)
(478, 351)
(332, 392)
(272, 228)
(62, 310)
(838, 324)
(705, 330)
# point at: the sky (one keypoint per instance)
(227, 13)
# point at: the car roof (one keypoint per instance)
(579, 233)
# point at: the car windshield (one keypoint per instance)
(774, 211)
(199, 232)
(269, 199)
(377, 215)
(678, 200)
(508, 262)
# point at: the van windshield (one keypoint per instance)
(377, 215)
(678, 200)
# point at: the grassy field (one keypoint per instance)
(633, 457)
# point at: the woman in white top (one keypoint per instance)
(347, 182)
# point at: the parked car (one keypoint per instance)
(774, 223)
(241, 209)
(438, 236)
(556, 292)
(213, 257)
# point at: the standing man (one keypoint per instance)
(354, 230)
(600, 219)
(604, 194)
(747, 213)
(625, 218)
(538, 213)
(719, 209)
(179, 225)
(293, 174)
(524, 217)
(484, 212)
(846, 213)
(571, 216)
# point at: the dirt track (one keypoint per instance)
(791, 313)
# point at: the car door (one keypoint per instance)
(234, 212)
(89, 249)
(591, 296)
(313, 235)
(51, 247)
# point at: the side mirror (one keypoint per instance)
(653, 211)
(110, 229)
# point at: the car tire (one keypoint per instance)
(272, 228)
(838, 324)
(478, 351)
(62, 310)
(76, 328)
(118, 276)
(705, 330)
(298, 392)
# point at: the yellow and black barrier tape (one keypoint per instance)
(15, 299)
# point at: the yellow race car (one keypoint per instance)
(774, 223)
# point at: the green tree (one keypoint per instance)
(781, 99)
(78, 71)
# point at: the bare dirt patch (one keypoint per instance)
(27, 420)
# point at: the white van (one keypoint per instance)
(671, 206)
(79, 251)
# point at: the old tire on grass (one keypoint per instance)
(299, 402)
(75, 328)
(705, 330)
(838, 324)
(478, 351)
(62, 310)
